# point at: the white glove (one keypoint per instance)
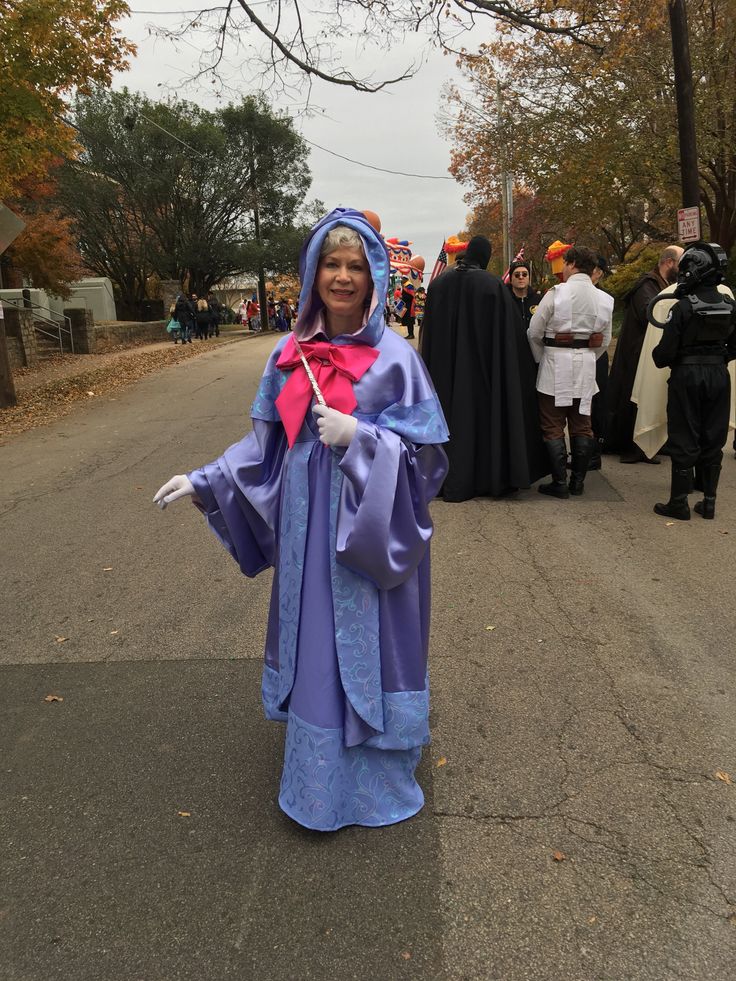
(335, 428)
(178, 486)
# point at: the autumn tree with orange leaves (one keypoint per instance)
(48, 48)
(592, 131)
(46, 252)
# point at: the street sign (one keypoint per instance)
(10, 227)
(688, 224)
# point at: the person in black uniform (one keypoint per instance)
(698, 340)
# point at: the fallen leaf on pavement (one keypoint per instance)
(559, 856)
(406, 955)
(54, 698)
(60, 640)
(668, 524)
(722, 775)
(442, 761)
(90, 393)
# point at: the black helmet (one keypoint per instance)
(702, 264)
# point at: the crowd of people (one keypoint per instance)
(193, 316)
(513, 370)
(279, 313)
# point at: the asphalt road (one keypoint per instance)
(580, 820)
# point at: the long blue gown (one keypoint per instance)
(347, 531)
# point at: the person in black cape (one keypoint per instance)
(478, 360)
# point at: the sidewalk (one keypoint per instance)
(49, 390)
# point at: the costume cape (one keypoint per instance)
(347, 531)
(485, 377)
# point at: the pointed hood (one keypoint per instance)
(376, 253)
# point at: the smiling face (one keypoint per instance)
(343, 282)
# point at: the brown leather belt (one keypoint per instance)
(570, 340)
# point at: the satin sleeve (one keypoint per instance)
(383, 522)
(240, 494)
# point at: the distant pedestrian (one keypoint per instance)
(286, 313)
(216, 313)
(184, 314)
(253, 314)
(202, 317)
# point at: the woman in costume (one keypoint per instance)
(335, 496)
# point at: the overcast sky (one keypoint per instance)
(394, 129)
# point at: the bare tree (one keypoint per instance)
(292, 39)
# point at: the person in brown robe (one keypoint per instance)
(619, 436)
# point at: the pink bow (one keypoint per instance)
(335, 367)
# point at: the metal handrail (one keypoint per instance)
(49, 321)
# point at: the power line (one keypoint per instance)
(383, 170)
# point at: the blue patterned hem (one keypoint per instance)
(405, 721)
(405, 714)
(326, 785)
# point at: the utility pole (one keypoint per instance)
(504, 181)
(685, 105)
(262, 296)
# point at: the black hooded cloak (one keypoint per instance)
(621, 411)
(479, 363)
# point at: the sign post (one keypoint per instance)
(688, 224)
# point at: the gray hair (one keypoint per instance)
(338, 237)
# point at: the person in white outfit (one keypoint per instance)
(569, 331)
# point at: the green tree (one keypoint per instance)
(171, 189)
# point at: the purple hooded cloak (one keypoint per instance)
(347, 531)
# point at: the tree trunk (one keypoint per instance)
(7, 388)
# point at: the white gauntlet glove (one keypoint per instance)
(335, 428)
(179, 486)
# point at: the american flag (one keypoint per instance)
(440, 265)
(517, 258)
